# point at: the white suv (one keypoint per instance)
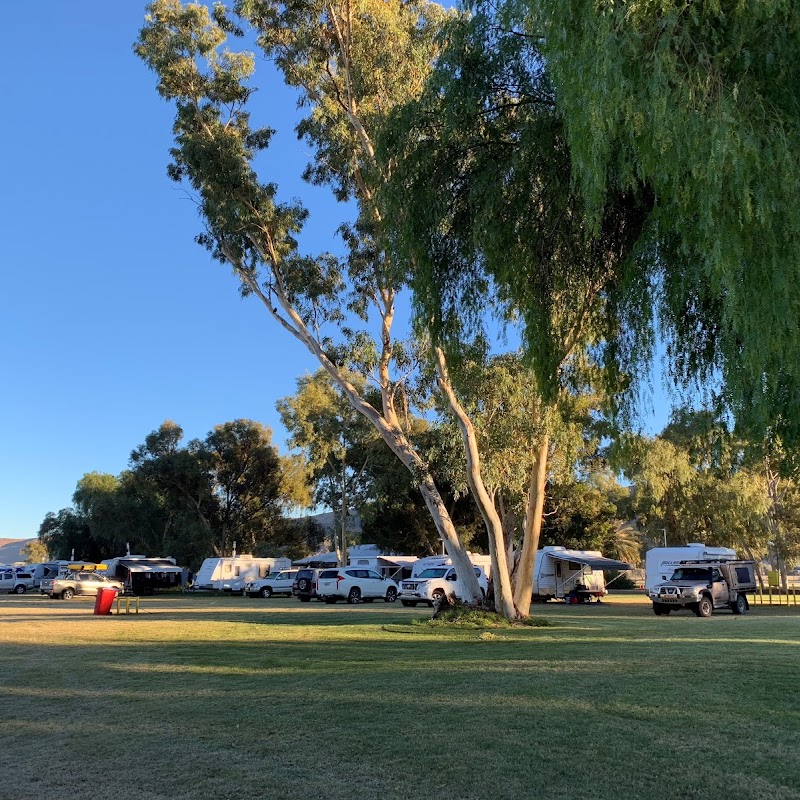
(432, 584)
(275, 583)
(355, 585)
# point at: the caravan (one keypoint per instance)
(560, 573)
(229, 574)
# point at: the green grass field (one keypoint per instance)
(230, 697)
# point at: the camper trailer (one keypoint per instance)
(143, 576)
(230, 574)
(46, 570)
(560, 573)
(661, 562)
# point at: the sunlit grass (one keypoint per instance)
(230, 697)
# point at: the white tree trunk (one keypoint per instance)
(389, 430)
(533, 528)
(504, 600)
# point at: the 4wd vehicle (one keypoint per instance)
(275, 583)
(704, 586)
(305, 584)
(16, 582)
(68, 584)
(355, 585)
(434, 583)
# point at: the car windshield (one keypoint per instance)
(691, 574)
(433, 572)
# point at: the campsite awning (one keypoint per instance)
(150, 566)
(595, 562)
(319, 560)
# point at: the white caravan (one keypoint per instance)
(231, 573)
(559, 571)
(661, 562)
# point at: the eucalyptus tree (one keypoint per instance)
(351, 64)
(335, 439)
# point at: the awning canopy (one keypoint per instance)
(595, 562)
(319, 560)
(397, 561)
(151, 565)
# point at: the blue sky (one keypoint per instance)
(111, 318)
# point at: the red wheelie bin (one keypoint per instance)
(104, 601)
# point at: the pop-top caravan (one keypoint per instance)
(231, 573)
(559, 571)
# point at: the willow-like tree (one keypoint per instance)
(698, 105)
(487, 211)
(351, 63)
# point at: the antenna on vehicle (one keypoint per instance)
(128, 545)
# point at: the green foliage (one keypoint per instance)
(460, 616)
(35, 552)
(700, 482)
(187, 501)
(485, 207)
(698, 105)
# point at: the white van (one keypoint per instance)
(661, 562)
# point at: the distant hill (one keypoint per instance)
(11, 550)
(327, 519)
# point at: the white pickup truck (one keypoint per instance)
(16, 582)
(275, 583)
(434, 583)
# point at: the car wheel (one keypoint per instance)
(266, 591)
(740, 606)
(67, 594)
(354, 596)
(659, 609)
(302, 584)
(21, 589)
(409, 603)
(705, 607)
(391, 595)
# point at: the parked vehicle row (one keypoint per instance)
(275, 583)
(355, 586)
(69, 584)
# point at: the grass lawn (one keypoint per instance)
(231, 697)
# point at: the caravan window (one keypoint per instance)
(574, 565)
(433, 572)
(236, 571)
